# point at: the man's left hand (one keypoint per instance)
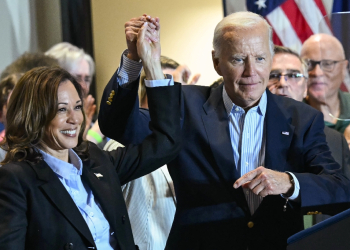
(264, 182)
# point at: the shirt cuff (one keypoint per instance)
(129, 70)
(296, 192)
(169, 81)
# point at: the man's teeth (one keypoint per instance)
(69, 132)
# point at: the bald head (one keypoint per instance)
(326, 46)
(326, 66)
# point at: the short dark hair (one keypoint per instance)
(6, 86)
(284, 50)
(217, 83)
(166, 63)
(27, 119)
(28, 61)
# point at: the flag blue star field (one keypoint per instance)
(293, 21)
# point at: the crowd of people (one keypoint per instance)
(232, 165)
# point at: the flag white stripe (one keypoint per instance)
(284, 29)
(313, 16)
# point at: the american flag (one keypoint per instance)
(294, 21)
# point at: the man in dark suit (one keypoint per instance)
(250, 159)
(288, 78)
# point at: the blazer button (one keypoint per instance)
(123, 218)
(68, 246)
(250, 224)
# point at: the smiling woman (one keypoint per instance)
(60, 192)
(33, 121)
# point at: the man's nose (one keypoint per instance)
(250, 68)
(283, 82)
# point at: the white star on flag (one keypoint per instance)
(261, 4)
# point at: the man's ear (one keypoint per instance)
(216, 62)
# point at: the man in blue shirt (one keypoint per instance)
(250, 160)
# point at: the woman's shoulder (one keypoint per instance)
(16, 167)
(17, 172)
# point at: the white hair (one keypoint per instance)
(68, 55)
(241, 20)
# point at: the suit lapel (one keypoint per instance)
(59, 196)
(104, 185)
(279, 134)
(166, 174)
(216, 124)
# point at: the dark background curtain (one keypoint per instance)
(77, 27)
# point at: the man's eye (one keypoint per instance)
(274, 76)
(292, 75)
(327, 63)
(260, 59)
(237, 60)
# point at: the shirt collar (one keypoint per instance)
(62, 168)
(231, 107)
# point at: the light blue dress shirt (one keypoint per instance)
(246, 129)
(70, 176)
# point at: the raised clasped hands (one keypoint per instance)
(143, 40)
(263, 182)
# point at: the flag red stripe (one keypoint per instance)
(297, 20)
(320, 5)
(343, 87)
(276, 40)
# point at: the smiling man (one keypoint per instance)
(250, 160)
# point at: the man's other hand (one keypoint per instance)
(182, 75)
(263, 182)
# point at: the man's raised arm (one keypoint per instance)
(119, 115)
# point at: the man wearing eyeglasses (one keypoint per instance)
(327, 67)
(288, 77)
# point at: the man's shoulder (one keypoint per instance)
(195, 89)
(293, 106)
(197, 92)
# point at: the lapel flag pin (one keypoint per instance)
(285, 133)
(98, 175)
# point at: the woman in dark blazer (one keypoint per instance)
(60, 192)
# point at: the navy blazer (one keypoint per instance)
(210, 213)
(36, 210)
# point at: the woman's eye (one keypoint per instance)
(79, 107)
(61, 109)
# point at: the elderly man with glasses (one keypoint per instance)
(288, 77)
(327, 67)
